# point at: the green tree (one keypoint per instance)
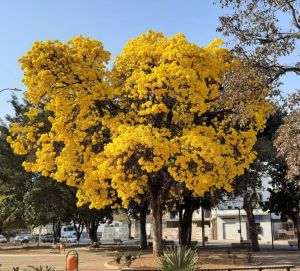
(187, 205)
(248, 185)
(42, 206)
(284, 198)
(33, 200)
(14, 182)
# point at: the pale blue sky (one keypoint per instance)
(111, 21)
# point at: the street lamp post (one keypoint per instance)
(272, 231)
(240, 222)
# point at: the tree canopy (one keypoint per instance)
(162, 115)
(264, 33)
(288, 144)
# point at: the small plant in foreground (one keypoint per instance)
(118, 257)
(138, 254)
(129, 258)
(41, 268)
(179, 259)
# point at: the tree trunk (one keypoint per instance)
(251, 222)
(184, 231)
(129, 228)
(54, 232)
(56, 226)
(185, 221)
(143, 232)
(203, 226)
(190, 223)
(91, 227)
(157, 224)
(78, 229)
(297, 225)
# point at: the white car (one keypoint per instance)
(68, 239)
(3, 239)
(21, 239)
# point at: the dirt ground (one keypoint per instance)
(212, 258)
(88, 260)
(92, 260)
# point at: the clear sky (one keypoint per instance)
(111, 21)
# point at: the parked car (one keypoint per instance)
(68, 239)
(47, 239)
(3, 239)
(22, 239)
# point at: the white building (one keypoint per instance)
(230, 220)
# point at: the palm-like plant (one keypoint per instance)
(41, 268)
(179, 259)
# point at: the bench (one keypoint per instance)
(259, 268)
(168, 243)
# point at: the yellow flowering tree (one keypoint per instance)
(160, 117)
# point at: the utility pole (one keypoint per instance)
(240, 222)
(203, 226)
(272, 231)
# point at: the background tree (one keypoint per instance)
(93, 217)
(14, 181)
(186, 208)
(249, 185)
(279, 193)
(162, 116)
(288, 144)
(139, 211)
(42, 206)
(264, 33)
(30, 200)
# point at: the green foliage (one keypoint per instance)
(41, 268)
(179, 259)
(128, 257)
(284, 198)
(13, 185)
(34, 268)
(138, 254)
(118, 257)
(31, 199)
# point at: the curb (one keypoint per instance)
(111, 267)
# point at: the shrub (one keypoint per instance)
(118, 258)
(179, 259)
(129, 258)
(41, 268)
